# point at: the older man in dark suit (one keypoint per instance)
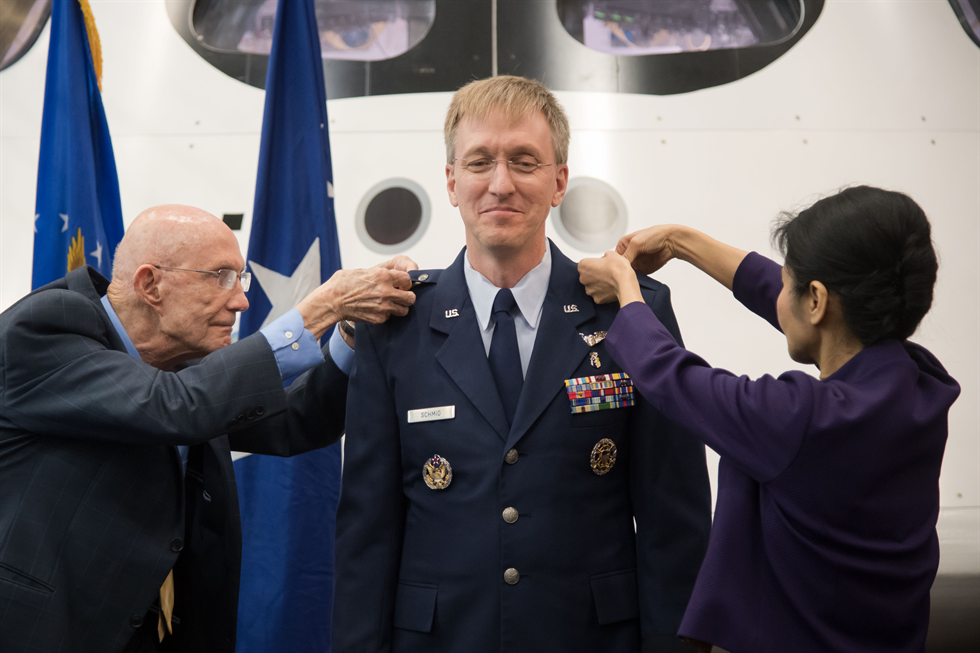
(497, 458)
(119, 522)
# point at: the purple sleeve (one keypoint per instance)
(758, 425)
(757, 284)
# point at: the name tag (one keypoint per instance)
(431, 414)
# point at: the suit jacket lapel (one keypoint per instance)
(463, 354)
(92, 285)
(558, 347)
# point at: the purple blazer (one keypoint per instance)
(824, 535)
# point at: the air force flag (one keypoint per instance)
(288, 504)
(78, 215)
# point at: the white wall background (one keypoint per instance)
(885, 93)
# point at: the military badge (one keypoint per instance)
(593, 339)
(594, 359)
(437, 472)
(603, 456)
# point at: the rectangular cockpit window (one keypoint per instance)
(643, 27)
(357, 30)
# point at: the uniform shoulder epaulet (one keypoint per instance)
(647, 284)
(422, 278)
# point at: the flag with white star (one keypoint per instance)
(78, 214)
(288, 504)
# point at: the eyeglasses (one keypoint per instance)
(226, 278)
(522, 166)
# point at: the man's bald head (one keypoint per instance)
(170, 235)
(171, 313)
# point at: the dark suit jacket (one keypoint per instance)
(423, 570)
(94, 510)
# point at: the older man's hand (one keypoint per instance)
(361, 295)
(400, 262)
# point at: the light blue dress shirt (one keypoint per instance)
(295, 348)
(529, 294)
(340, 352)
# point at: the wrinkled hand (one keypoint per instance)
(604, 277)
(361, 295)
(400, 262)
(649, 249)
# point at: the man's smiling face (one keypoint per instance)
(505, 212)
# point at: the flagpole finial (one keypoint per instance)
(94, 44)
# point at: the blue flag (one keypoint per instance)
(288, 505)
(78, 216)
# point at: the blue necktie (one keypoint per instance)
(505, 357)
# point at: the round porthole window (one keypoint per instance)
(21, 22)
(393, 216)
(592, 217)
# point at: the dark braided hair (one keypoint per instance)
(873, 249)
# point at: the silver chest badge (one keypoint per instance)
(593, 339)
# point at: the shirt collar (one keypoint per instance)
(130, 347)
(529, 292)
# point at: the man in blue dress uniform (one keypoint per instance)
(504, 488)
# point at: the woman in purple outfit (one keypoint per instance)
(824, 536)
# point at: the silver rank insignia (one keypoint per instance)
(603, 456)
(437, 472)
(594, 339)
(594, 359)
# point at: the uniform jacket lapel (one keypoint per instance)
(558, 347)
(463, 354)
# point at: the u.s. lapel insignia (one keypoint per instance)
(594, 359)
(571, 308)
(453, 312)
(437, 472)
(603, 456)
(593, 339)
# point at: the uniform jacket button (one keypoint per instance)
(177, 545)
(136, 621)
(260, 410)
(510, 515)
(250, 414)
(511, 576)
(511, 456)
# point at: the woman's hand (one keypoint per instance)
(609, 278)
(648, 249)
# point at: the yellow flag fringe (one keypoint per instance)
(93, 40)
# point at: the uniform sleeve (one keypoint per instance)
(672, 506)
(371, 515)
(758, 425)
(61, 377)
